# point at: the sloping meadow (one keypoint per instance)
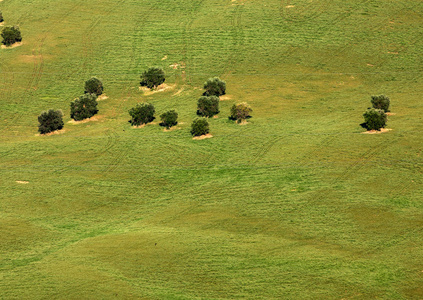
(297, 203)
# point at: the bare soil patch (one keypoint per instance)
(382, 130)
(12, 46)
(22, 181)
(164, 57)
(102, 97)
(178, 92)
(202, 137)
(161, 88)
(390, 114)
(225, 97)
(143, 125)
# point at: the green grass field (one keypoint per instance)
(297, 204)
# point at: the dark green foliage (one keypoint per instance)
(1, 17)
(50, 120)
(208, 106)
(240, 112)
(142, 113)
(11, 35)
(169, 118)
(153, 77)
(84, 107)
(375, 119)
(214, 87)
(199, 127)
(94, 86)
(381, 102)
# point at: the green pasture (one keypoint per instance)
(297, 204)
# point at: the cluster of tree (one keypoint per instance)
(83, 107)
(375, 117)
(10, 35)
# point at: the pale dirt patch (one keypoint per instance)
(1, 23)
(225, 97)
(178, 92)
(289, 6)
(143, 125)
(164, 57)
(202, 137)
(243, 123)
(382, 130)
(52, 133)
(370, 65)
(22, 181)
(92, 119)
(161, 88)
(390, 114)
(174, 66)
(215, 116)
(102, 97)
(13, 45)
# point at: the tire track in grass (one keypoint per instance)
(264, 150)
(237, 33)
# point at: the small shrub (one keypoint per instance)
(50, 121)
(84, 107)
(1, 17)
(375, 119)
(142, 113)
(208, 106)
(169, 118)
(153, 77)
(94, 86)
(11, 35)
(381, 102)
(199, 127)
(240, 112)
(214, 87)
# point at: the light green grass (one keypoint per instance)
(297, 204)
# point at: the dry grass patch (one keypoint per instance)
(102, 97)
(22, 181)
(225, 97)
(161, 88)
(56, 132)
(92, 119)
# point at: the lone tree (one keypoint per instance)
(153, 77)
(208, 106)
(11, 35)
(375, 119)
(240, 112)
(84, 107)
(381, 102)
(169, 118)
(94, 86)
(214, 87)
(200, 126)
(50, 120)
(142, 113)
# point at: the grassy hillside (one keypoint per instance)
(297, 204)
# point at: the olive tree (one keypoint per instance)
(208, 106)
(50, 121)
(169, 118)
(381, 102)
(214, 87)
(83, 107)
(375, 119)
(94, 86)
(153, 77)
(240, 112)
(11, 35)
(142, 113)
(200, 126)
